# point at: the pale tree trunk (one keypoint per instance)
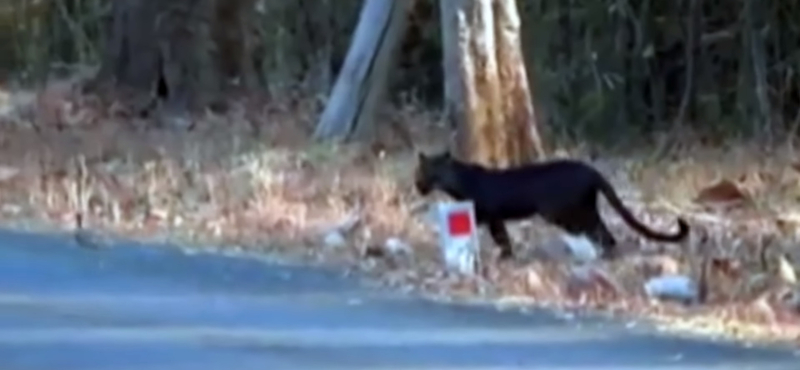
(179, 55)
(361, 84)
(486, 85)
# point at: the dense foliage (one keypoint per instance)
(599, 67)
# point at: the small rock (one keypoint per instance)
(397, 246)
(552, 249)
(581, 248)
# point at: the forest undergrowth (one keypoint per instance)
(251, 179)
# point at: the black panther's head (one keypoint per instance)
(431, 171)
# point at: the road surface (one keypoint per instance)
(64, 307)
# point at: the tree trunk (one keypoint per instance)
(178, 55)
(518, 109)
(486, 89)
(362, 80)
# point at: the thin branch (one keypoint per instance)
(759, 63)
(693, 24)
(76, 29)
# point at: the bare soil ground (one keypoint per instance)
(251, 179)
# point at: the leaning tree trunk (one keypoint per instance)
(486, 86)
(362, 81)
(178, 55)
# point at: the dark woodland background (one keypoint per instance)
(600, 69)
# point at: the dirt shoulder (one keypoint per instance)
(250, 179)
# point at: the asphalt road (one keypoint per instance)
(135, 307)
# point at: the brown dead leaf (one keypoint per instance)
(372, 250)
(787, 224)
(756, 180)
(723, 191)
(727, 266)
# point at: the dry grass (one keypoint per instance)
(251, 179)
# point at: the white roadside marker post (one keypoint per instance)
(458, 237)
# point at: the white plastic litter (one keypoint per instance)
(677, 287)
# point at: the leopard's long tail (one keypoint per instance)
(613, 199)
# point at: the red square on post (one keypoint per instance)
(458, 223)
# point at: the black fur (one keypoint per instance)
(563, 192)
